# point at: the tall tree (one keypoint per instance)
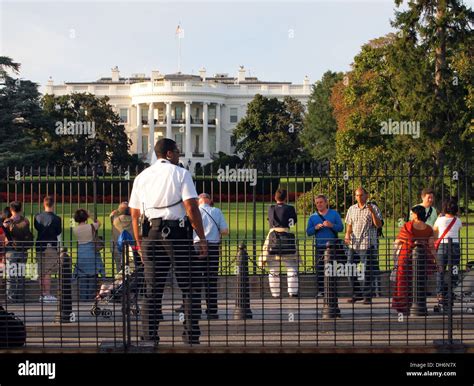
(102, 140)
(22, 121)
(319, 133)
(443, 28)
(270, 131)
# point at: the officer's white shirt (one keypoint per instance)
(159, 185)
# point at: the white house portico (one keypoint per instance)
(196, 111)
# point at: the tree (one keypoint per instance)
(270, 130)
(102, 140)
(319, 133)
(22, 121)
(443, 29)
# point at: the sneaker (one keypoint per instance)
(48, 299)
(320, 295)
(293, 295)
(354, 299)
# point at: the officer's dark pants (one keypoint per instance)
(159, 255)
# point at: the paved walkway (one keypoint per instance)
(275, 323)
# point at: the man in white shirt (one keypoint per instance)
(165, 194)
(214, 226)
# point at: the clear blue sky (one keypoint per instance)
(81, 41)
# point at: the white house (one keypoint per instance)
(197, 111)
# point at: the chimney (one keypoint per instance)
(115, 74)
(49, 86)
(202, 73)
(241, 74)
(155, 74)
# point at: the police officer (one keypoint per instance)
(165, 196)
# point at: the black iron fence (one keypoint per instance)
(318, 316)
(411, 306)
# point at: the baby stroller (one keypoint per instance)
(463, 293)
(114, 292)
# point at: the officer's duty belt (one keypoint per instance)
(159, 222)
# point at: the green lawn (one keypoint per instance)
(240, 217)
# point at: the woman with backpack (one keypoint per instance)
(280, 246)
(89, 262)
(19, 242)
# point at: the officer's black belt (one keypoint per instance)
(159, 222)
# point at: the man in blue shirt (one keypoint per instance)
(324, 225)
(214, 225)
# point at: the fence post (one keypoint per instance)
(418, 306)
(65, 288)
(331, 307)
(450, 291)
(126, 297)
(242, 299)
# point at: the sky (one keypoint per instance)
(274, 40)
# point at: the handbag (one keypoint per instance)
(281, 243)
(98, 240)
(438, 242)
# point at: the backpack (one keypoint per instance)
(20, 232)
(125, 236)
(12, 330)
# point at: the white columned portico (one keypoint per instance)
(151, 129)
(169, 132)
(188, 152)
(218, 127)
(205, 128)
(139, 129)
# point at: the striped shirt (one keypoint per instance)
(364, 232)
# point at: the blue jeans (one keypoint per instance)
(87, 288)
(368, 257)
(442, 258)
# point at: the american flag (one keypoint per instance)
(179, 31)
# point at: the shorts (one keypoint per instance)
(48, 261)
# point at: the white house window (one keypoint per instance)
(144, 144)
(196, 144)
(178, 138)
(234, 115)
(123, 114)
(161, 115)
(144, 113)
(212, 143)
(178, 112)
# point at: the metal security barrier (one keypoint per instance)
(247, 314)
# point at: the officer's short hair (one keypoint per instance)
(163, 146)
(281, 194)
